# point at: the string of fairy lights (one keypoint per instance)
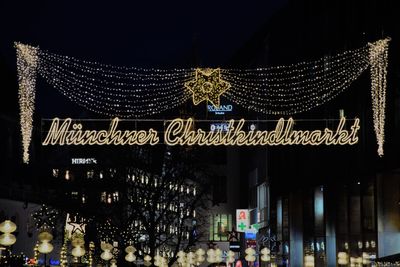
(113, 93)
(138, 92)
(296, 89)
(378, 55)
(27, 62)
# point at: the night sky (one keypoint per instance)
(142, 33)
(169, 34)
(164, 34)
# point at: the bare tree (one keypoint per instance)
(160, 206)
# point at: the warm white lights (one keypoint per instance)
(366, 258)
(211, 255)
(44, 239)
(78, 245)
(147, 258)
(250, 254)
(343, 258)
(265, 254)
(309, 261)
(207, 86)
(115, 91)
(218, 255)
(285, 90)
(27, 63)
(130, 256)
(45, 247)
(200, 256)
(378, 57)
(7, 238)
(134, 92)
(8, 226)
(63, 255)
(106, 254)
(78, 251)
(178, 132)
(45, 217)
(160, 261)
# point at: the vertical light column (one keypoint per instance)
(27, 63)
(378, 56)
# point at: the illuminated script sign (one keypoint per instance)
(186, 132)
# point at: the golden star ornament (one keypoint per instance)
(207, 86)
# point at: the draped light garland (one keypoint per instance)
(378, 57)
(27, 63)
(137, 92)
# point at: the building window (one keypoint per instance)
(262, 203)
(103, 197)
(220, 224)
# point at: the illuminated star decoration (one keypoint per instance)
(207, 86)
(233, 235)
(45, 217)
(75, 224)
(129, 234)
(107, 231)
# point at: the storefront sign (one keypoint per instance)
(221, 126)
(182, 132)
(221, 110)
(54, 262)
(83, 161)
(242, 220)
(234, 246)
(250, 235)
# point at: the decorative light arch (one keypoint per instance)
(137, 92)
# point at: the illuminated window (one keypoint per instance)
(67, 175)
(55, 172)
(89, 174)
(115, 196)
(103, 197)
(262, 202)
(220, 224)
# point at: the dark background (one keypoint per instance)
(168, 34)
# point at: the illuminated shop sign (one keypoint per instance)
(250, 235)
(234, 246)
(83, 161)
(219, 110)
(222, 126)
(54, 262)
